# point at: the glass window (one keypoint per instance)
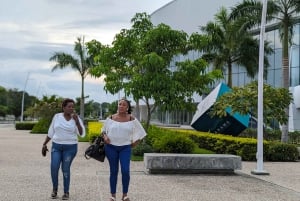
(278, 78)
(294, 66)
(296, 36)
(270, 38)
(271, 77)
(295, 76)
(294, 57)
(277, 41)
(271, 59)
(278, 58)
(235, 79)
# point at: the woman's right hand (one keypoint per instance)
(44, 150)
(105, 138)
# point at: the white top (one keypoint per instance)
(62, 131)
(123, 133)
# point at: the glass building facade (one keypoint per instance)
(190, 14)
(239, 74)
(274, 74)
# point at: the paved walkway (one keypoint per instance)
(25, 176)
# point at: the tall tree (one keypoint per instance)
(81, 62)
(3, 102)
(284, 12)
(138, 62)
(226, 42)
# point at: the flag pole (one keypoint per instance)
(260, 151)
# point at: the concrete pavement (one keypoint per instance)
(25, 176)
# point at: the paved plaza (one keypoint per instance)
(25, 176)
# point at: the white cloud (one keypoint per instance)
(32, 30)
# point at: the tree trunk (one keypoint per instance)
(82, 99)
(229, 83)
(148, 115)
(286, 78)
(137, 110)
(286, 84)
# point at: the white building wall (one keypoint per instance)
(188, 15)
(294, 112)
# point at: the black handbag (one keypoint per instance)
(96, 150)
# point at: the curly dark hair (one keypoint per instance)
(66, 101)
(129, 105)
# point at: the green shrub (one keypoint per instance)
(282, 152)
(294, 137)
(154, 133)
(269, 134)
(24, 125)
(272, 135)
(83, 139)
(174, 143)
(142, 148)
(248, 152)
(41, 126)
(92, 136)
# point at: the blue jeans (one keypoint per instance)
(116, 154)
(62, 155)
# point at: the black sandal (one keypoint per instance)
(126, 198)
(65, 196)
(54, 194)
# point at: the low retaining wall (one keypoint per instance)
(157, 163)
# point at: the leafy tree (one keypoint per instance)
(46, 107)
(82, 63)
(92, 109)
(14, 100)
(138, 62)
(3, 102)
(11, 99)
(226, 42)
(244, 101)
(3, 95)
(112, 108)
(3, 110)
(285, 13)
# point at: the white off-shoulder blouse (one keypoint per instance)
(123, 133)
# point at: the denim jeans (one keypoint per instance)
(62, 155)
(116, 154)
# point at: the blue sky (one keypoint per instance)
(32, 30)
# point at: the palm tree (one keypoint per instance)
(82, 63)
(227, 42)
(284, 13)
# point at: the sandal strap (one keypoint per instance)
(126, 198)
(113, 198)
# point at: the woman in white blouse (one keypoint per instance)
(121, 132)
(63, 131)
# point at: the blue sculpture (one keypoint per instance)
(232, 124)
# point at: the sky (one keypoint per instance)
(32, 30)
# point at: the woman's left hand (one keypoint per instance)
(134, 144)
(75, 117)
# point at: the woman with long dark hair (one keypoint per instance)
(121, 132)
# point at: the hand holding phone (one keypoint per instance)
(75, 116)
(44, 150)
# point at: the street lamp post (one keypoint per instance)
(259, 154)
(22, 108)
